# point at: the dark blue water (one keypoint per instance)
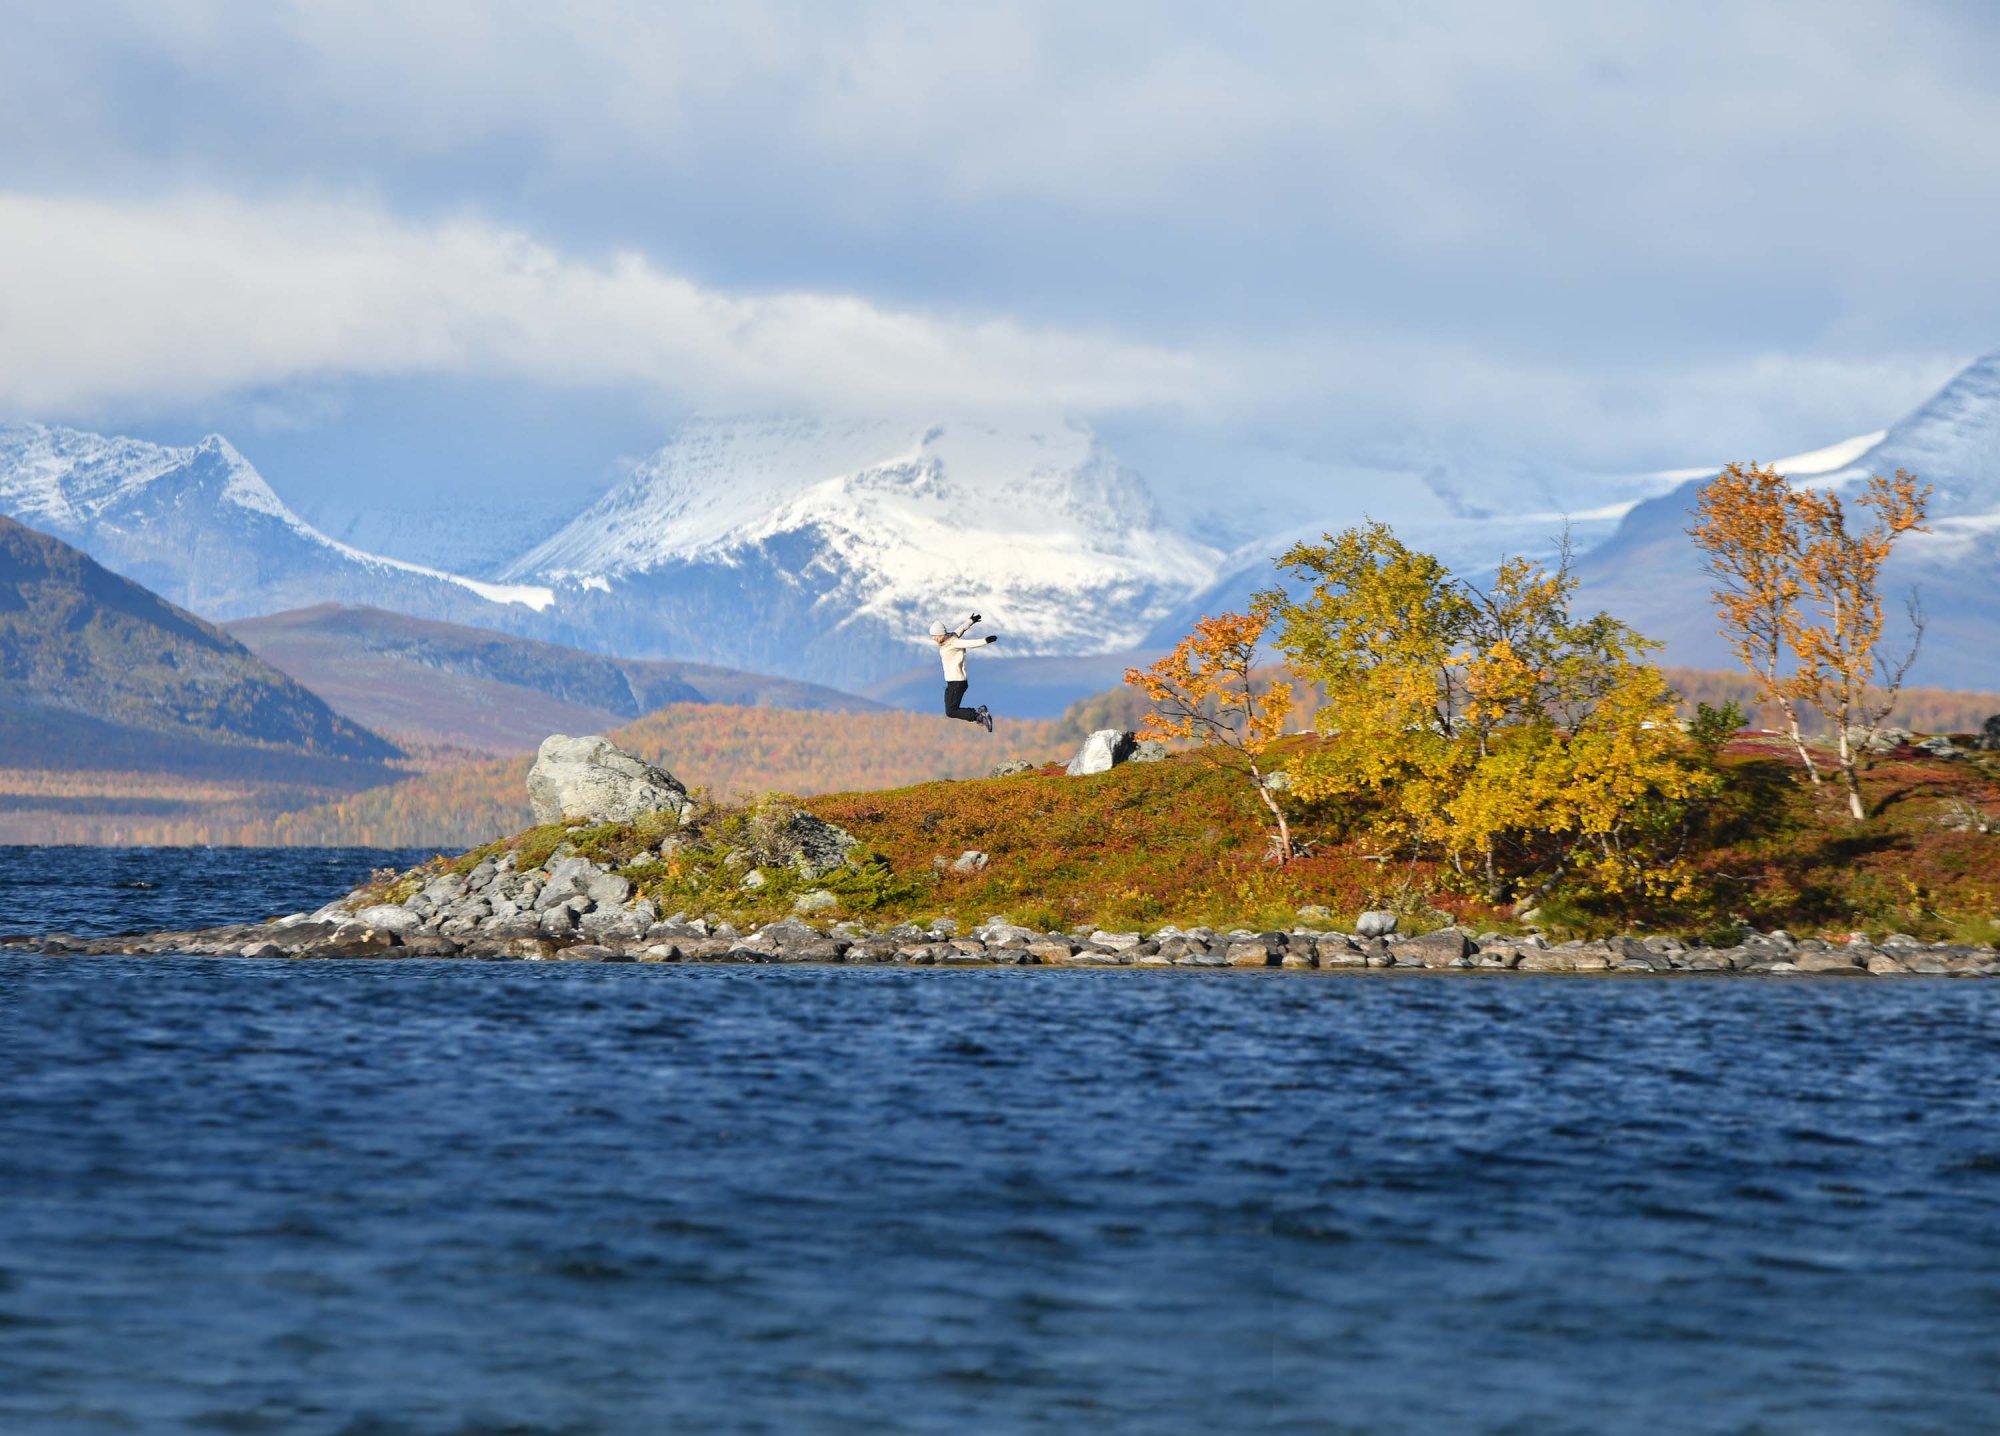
(94, 891)
(454, 1197)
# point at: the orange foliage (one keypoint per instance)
(1800, 596)
(1206, 690)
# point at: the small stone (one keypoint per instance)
(1117, 941)
(753, 880)
(589, 952)
(818, 900)
(969, 861)
(1012, 768)
(1825, 961)
(1248, 954)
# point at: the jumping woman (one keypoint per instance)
(952, 647)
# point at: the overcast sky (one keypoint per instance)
(527, 236)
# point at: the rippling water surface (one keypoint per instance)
(439, 1197)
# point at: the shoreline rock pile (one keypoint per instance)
(573, 910)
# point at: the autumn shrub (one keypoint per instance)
(1525, 745)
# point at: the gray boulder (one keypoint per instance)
(1148, 750)
(1012, 768)
(568, 878)
(1101, 752)
(388, 917)
(1988, 740)
(969, 861)
(608, 890)
(591, 779)
(1885, 739)
(1939, 747)
(1375, 924)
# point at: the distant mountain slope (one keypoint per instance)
(826, 550)
(201, 527)
(76, 638)
(436, 682)
(1649, 572)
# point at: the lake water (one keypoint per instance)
(457, 1197)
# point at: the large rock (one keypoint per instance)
(1988, 740)
(1101, 752)
(1442, 948)
(388, 918)
(589, 778)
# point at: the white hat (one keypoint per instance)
(938, 630)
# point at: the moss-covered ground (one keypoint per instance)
(1182, 841)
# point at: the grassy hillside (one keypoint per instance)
(436, 685)
(1180, 841)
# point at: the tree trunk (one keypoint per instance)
(1284, 829)
(1798, 741)
(1850, 777)
(1277, 813)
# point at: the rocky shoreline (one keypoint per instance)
(574, 910)
(570, 908)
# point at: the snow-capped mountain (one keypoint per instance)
(1471, 511)
(825, 550)
(822, 550)
(200, 526)
(1649, 572)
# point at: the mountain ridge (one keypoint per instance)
(438, 683)
(75, 636)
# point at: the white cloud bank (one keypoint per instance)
(111, 308)
(160, 303)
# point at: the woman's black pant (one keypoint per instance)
(954, 694)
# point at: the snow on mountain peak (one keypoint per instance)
(69, 481)
(1038, 524)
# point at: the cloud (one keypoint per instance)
(147, 306)
(178, 301)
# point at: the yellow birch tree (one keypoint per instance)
(1747, 529)
(1800, 598)
(1489, 725)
